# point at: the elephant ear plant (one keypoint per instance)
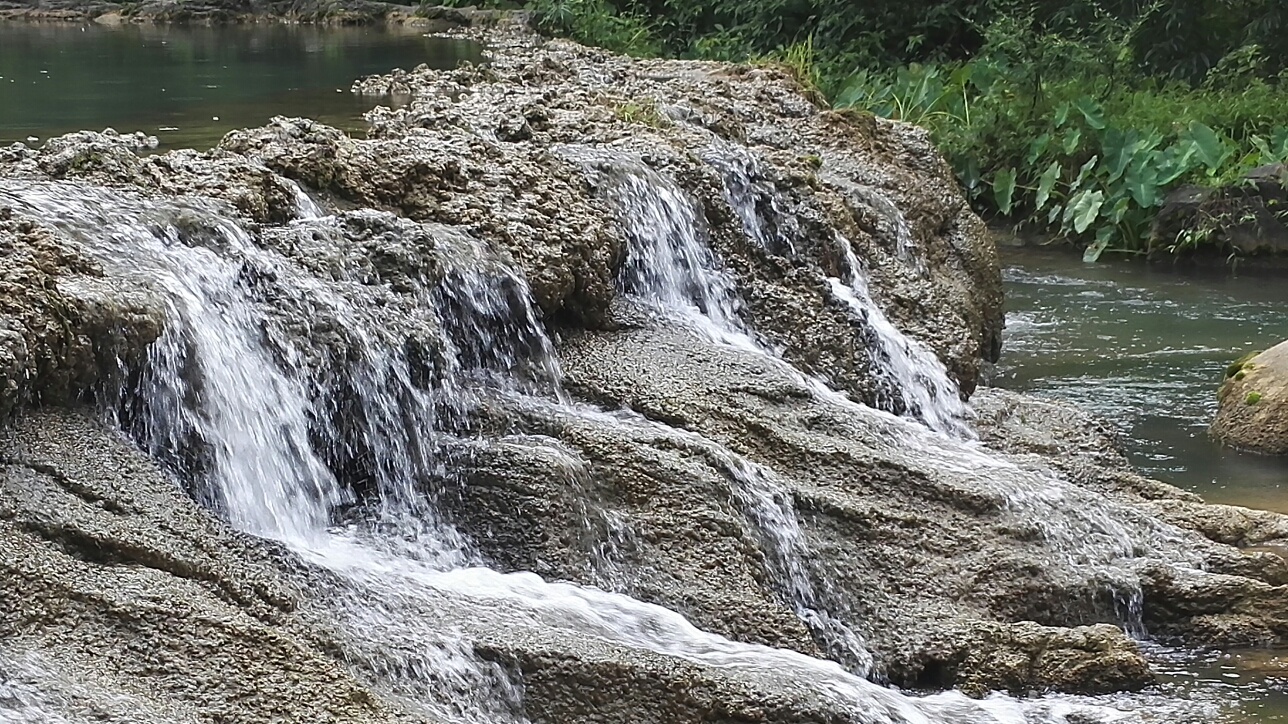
(1091, 167)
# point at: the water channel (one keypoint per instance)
(1145, 346)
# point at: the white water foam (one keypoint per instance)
(917, 377)
(215, 378)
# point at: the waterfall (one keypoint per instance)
(920, 379)
(242, 391)
(1085, 530)
(914, 374)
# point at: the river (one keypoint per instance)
(189, 86)
(1145, 346)
(1142, 346)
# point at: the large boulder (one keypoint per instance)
(1252, 413)
(1248, 217)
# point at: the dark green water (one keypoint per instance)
(191, 85)
(1146, 347)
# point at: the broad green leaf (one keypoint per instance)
(1037, 147)
(1083, 209)
(1004, 190)
(968, 173)
(1279, 143)
(1211, 149)
(1116, 146)
(1054, 213)
(1061, 114)
(1142, 182)
(1082, 173)
(1120, 210)
(1150, 142)
(1267, 155)
(1097, 247)
(1046, 183)
(1091, 111)
(1071, 140)
(1173, 162)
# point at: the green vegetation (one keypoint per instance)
(1237, 367)
(1084, 146)
(1252, 398)
(1075, 117)
(644, 112)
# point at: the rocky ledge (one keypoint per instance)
(720, 480)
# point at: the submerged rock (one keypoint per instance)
(1252, 410)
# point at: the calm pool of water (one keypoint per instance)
(191, 85)
(1146, 347)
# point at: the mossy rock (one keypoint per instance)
(1252, 410)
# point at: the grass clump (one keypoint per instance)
(1252, 398)
(644, 112)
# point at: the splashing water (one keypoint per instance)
(916, 377)
(234, 384)
(1084, 530)
(305, 206)
(669, 266)
(756, 201)
(920, 379)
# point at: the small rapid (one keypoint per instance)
(916, 381)
(301, 415)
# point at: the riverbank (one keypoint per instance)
(663, 333)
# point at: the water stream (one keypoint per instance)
(1146, 348)
(300, 415)
(226, 382)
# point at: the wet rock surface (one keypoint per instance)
(130, 603)
(64, 325)
(1252, 412)
(720, 480)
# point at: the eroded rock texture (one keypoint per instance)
(451, 300)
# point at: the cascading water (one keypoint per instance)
(240, 379)
(920, 378)
(916, 376)
(670, 267)
(1082, 530)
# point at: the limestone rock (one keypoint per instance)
(116, 580)
(1252, 413)
(64, 326)
(1248, 217)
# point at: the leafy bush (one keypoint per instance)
(1078, 142)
